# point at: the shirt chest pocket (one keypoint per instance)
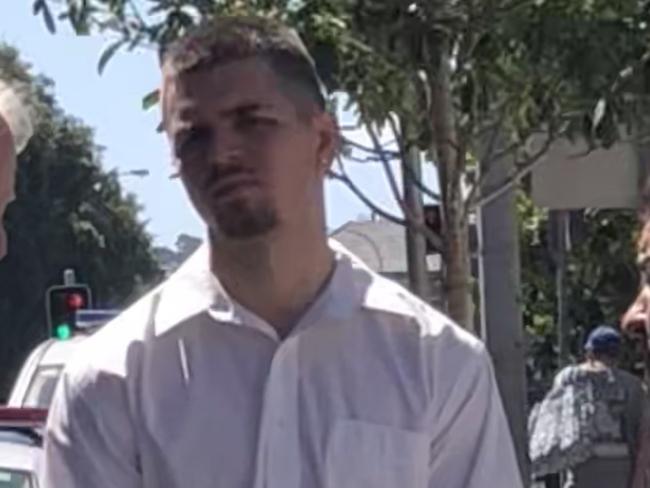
(365, 455)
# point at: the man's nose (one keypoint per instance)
(227, 148)
(637, 317)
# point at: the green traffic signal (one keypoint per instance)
(63, 332)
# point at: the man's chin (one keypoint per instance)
(244, 223)
(244, 231)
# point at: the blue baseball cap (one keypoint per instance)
(602, 339)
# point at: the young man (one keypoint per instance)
(15, 131)
(273, 358)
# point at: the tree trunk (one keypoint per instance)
(451, 162)
(416, 243)
(457, 276)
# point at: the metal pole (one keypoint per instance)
(501, 318)
(69, 277)
(560, 221)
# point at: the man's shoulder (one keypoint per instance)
(113, 349)
(109, 349)
(633, 381)
(389, 298)
(393, 306)
(628, 376)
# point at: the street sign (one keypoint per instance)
(570, 177)
(88, 319)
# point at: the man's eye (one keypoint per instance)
(256, 122)
(193, 139)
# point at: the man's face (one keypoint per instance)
(7, 178)
(249, 160)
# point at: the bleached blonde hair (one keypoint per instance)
(14, 109)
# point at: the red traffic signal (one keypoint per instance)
(75, 301)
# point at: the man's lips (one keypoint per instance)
(226, 185)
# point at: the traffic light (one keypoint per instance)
(62, 304)
(433, 220)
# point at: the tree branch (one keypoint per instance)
(407, 170)
(388, 171)
(434, 239)
(347, 181)
(369, 150)
(524, 170)
(137, 14)
(486, 160)
(397, 134)
(419, 184)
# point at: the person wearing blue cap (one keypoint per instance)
(587, 427)
(603, 345)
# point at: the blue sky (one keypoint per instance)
(111, 104)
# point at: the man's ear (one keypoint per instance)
(329, 141)
(7, 146)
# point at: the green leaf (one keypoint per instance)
(108, 53)
(150, 99)
(79, 18)
(37, 7)
(47, 16)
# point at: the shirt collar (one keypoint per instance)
(193, 289)
(189, 291)
(366, 288)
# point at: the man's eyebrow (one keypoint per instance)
(246, 108)
(187, 115)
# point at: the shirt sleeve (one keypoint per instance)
(471, 443)
(89, 437)
(641, 469)
(635, 405)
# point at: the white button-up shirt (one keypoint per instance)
(373, 389)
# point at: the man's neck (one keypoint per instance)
(598, 364)
(277, 278)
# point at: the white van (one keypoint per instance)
(40, 374)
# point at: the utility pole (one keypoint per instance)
(416, 244)
(501, 324)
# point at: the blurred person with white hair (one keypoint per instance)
(15, 130)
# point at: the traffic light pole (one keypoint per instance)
(501, 318)
(559, 220)
(69, 277)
